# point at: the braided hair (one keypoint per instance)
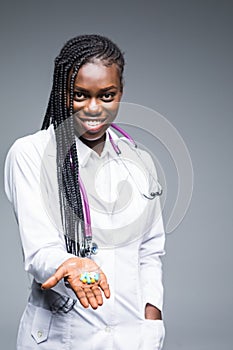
(75, 53)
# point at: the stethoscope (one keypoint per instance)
(87, 247)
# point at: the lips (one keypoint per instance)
(92, 125)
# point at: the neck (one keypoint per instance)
(96, 145)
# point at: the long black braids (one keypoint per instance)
(75, 53)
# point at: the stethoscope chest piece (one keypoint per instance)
(94, 248)
(88, 248)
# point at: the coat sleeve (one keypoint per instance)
(151, 249)
(43, 245)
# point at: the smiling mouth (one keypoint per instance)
(93, 125)
(93, 122)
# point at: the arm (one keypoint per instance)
(151, 270)
(43, 245)
(151, 249)
(45, 255)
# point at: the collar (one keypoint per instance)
(85, 152)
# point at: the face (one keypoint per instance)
(97, 93)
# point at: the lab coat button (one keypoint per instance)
(39, 334)
(108, 329)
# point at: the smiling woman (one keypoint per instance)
(80, 301)
(97, 93)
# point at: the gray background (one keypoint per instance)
(179, 62)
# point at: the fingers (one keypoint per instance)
(98, 295)
(81, 295)
(55, 278)
(89, 296)
(104, 285)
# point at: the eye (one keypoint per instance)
(108, 96)
(79, 96)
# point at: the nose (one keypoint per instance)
(93, 108)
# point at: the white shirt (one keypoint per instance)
(127, 227)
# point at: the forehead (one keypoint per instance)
(97, 75)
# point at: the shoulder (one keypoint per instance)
(31, 145)
(23, 160)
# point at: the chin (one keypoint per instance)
(92, 137)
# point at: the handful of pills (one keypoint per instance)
(89, 277)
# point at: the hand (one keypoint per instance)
(88, 294)
(152, 313)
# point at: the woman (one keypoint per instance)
(121, 308)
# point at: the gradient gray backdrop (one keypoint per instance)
(179, 62)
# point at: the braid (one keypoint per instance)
(75, 53)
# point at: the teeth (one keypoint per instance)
(93, 122)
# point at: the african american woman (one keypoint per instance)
(75, 180)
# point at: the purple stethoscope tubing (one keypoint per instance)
(124, 133)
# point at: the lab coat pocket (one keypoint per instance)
(153, 333)
(41, 325)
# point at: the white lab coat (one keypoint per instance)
(127, 227)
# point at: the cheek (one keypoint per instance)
(77, 106)
(114, 108)
(111, 111)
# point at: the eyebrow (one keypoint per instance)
(101, 90)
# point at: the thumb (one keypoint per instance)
(55, 278)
